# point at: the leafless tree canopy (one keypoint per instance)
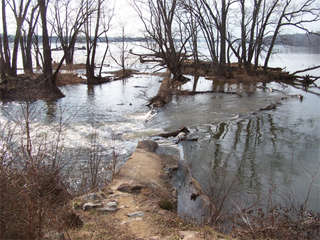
(246, 29)
(243, 28)
(166, 31)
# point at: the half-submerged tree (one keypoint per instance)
(68, 19)
(212, 17)
(165, 31)
(49, 78)
(96, 27)
(121, 52)
(19, 12)
(243, 26)
(26, 43)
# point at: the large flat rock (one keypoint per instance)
(143, 167)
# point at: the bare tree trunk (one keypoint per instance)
(91, 65)
(47, 60)
(15, 49)
(92, 45)
(223, 30)
(32, 25)
(255, 14)
(20, 16)
(275, 34)
(243, 34)
(38, 53)
(49, 78)
(23, 52)
(6, 50)
(2, 63)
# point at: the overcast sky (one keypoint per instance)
(126, 15)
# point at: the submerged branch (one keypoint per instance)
(305, 70)
(174, 133)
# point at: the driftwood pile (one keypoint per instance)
(279, 74)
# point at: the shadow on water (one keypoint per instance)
(51, 109)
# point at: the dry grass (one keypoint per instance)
(35, 176)
(69, 79)
(70, 67)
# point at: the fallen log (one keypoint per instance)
(187, 92)
(152, 57)
(272, 105)
(269, 107)
(164, 93)
(186, 139)
(307, 79)
(173, 134)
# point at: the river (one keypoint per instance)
(254, 151)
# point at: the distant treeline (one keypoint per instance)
(81, 39)
(307, 40)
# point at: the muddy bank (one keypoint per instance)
(28, 88)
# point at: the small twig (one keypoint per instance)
(246, 220)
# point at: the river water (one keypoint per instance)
(254, 151)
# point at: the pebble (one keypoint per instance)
(107, 209)
(112, 205)
(90, 205)
(136, 214)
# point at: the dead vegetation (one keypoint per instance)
(69, 79)
(236, 74)
(36, 175)
(33, 188)
(123, 74)
(28, 88)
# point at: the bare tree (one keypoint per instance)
(19, 12)
(5, 51)
(47, 64)
(99, 27)
(212, 18)
(256, 19)
(68, 19)
(165, 29)
(49, 78)
(194, 27)
(295, 14)
(26, 43)
(267, 18)
(121, 54)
